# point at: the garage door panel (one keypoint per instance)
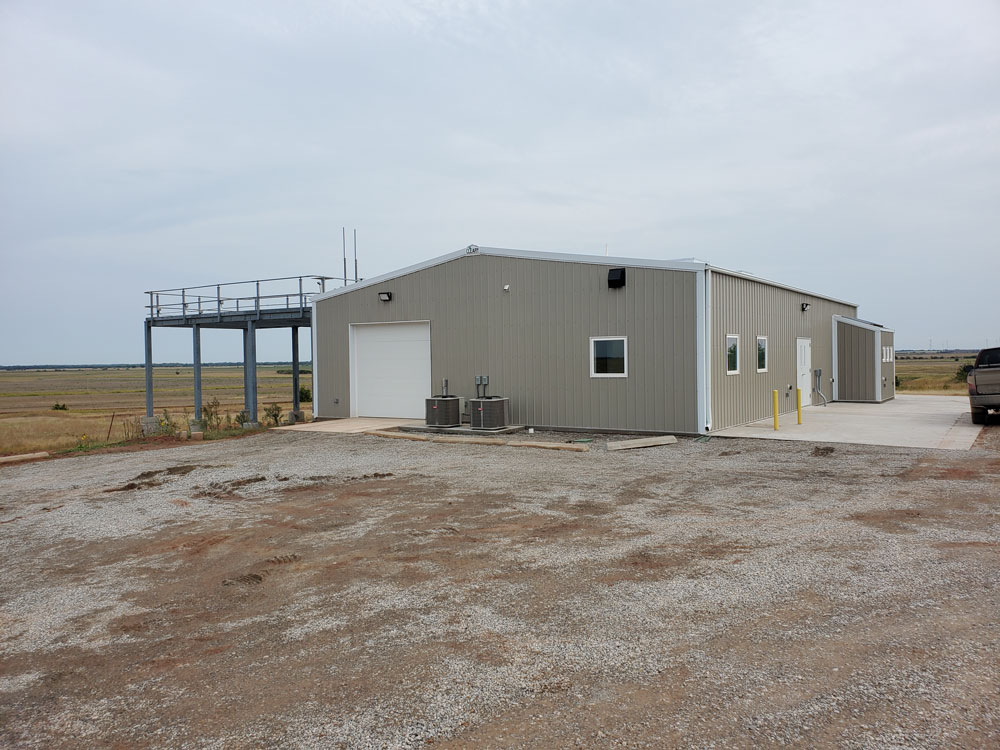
(392, 369)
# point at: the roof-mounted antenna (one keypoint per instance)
(355, 256)
(344, 232)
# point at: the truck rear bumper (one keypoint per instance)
(990, 401)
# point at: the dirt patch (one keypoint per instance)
(896, 521)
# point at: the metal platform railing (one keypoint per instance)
(285, 293)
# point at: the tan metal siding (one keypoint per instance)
(889, 368)
(856, 363)
(753, 308)
(534, 341)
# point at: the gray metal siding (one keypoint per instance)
(856, 363)
(888, 369)
(534, 341)
(750, 309)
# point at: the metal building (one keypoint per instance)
(864, 359)
(576, 341)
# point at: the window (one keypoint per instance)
(609, 357)
(762, 354)
(732, 354)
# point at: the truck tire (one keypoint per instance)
(978, 415)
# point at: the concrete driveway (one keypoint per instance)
(906, 421)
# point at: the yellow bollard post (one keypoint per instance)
(798, 403)
(774, 400)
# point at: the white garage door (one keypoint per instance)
(392, 369)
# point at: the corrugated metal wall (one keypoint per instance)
(889, 368)
(534, 341)
(856, 363)
(751, 309)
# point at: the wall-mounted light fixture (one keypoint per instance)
(385, 296)
(805, 306)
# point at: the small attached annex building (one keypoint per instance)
(590, 342)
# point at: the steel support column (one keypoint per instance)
(250, 366)
(196, 342)
(295, 368)
(149, 368)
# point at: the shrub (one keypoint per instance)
(273, 412)
(241, 418)
(59, 407)
(211, 413)
(962, 373)
(305, 395)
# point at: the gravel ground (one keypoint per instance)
(301, 590)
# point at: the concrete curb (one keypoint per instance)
(575, 447)
(23, 457)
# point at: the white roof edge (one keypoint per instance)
(602, 260)
(861, 323)
(782, 286)
(392, 275)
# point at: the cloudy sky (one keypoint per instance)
(851, 148)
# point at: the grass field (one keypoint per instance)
(28, 423)
(932, 374)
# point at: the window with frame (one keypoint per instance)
(762, 354)
(609, 357)
(732, 354)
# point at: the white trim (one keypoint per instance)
(593, 374)
(767, 354)
(737, 370)
(860, 323)
(700, 366)
(878, 367)
(836, 371)
(768, 282)
(598, 260)
(314, 355)
(708, 350)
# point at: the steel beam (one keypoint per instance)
(196, 342)
(149, 369)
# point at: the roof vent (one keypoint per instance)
(616, 278)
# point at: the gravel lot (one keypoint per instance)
(315, 590)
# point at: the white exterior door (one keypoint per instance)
(803, 369)
(390, 369)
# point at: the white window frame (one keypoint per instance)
(593, 374)
(726, 355)
(767, 354)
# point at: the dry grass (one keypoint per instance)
(932, 375)
(28, 423)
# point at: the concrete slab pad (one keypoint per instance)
(907, 421)
(355, 425)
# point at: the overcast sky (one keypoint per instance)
(850, 148)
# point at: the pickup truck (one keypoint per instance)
(984, 384)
